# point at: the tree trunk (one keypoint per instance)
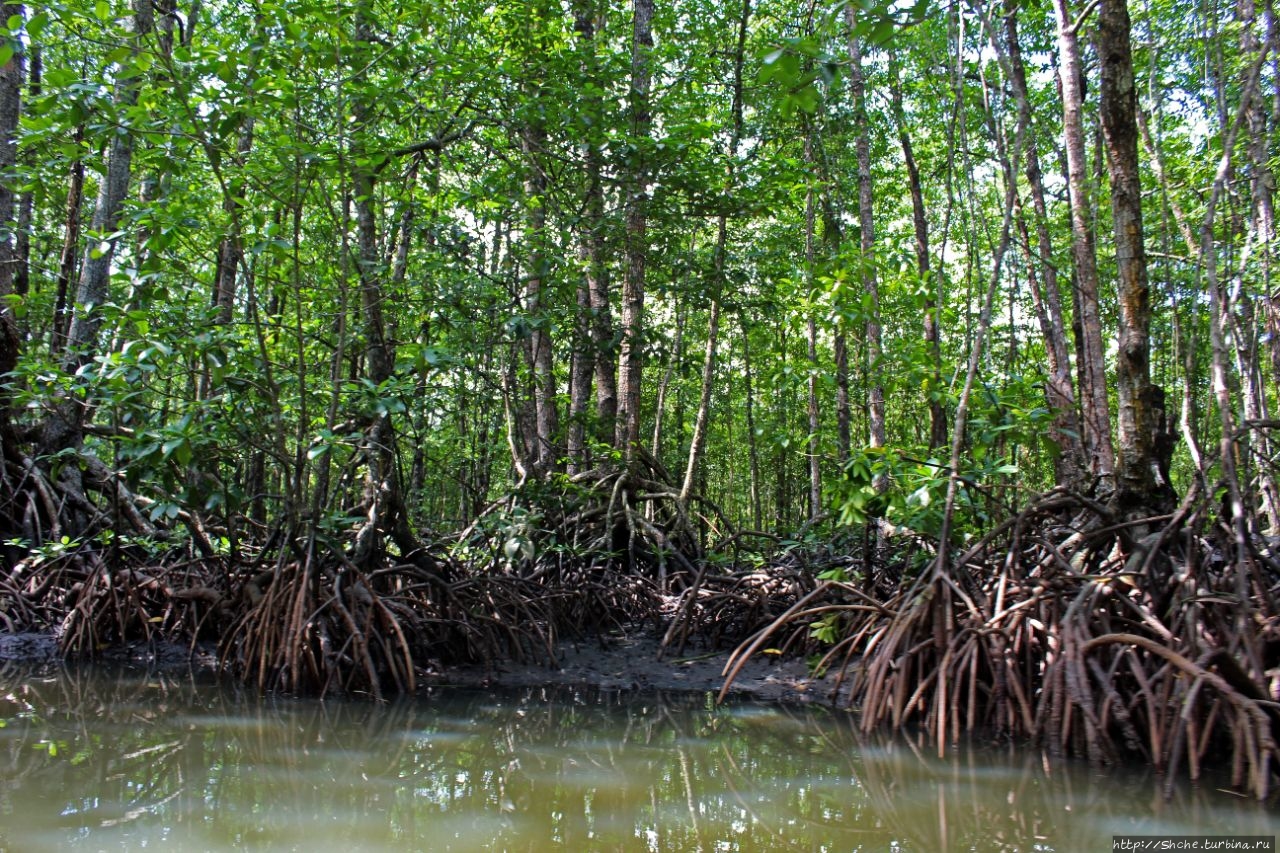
(70, 249)
(811, 327)
(753, 449)
(675, 358)
(718, 271)
(1095, 409)
(844, 407)
(546, 414)
(637, 209)
(600, 355)
(1070, 467)
(11, 80)
(1262, 225)
(942, 563)
(700, 422)
(580, 367)
(385, 511)
(920, 228)
(64, 427)
(1145, 437)
(231, 250)
(381, 493)
(1234, 501)
(95, 269)
(866, 222)
(26, 203)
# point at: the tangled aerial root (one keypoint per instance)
(1097, 638)
(320, 626)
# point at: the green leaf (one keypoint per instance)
(36, 25)
(882, 32)
(179, 449)
(102, 10)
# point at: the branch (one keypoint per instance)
(1083, 16)
(435, 144)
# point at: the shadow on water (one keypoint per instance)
(93, 759)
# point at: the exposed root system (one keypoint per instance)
(1094, 635)
(1097, 637)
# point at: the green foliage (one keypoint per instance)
(910, 491)
(253, 123)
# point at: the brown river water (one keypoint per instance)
(117, 760)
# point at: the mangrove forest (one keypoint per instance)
(933, 343)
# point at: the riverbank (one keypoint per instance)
(630, 660)
(634, 661)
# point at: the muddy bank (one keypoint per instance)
(38, 650)
(621, 661)
(633, 661)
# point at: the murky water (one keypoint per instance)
(113, 761)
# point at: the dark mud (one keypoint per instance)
(634, 661)
(630, 661)
(37, 651)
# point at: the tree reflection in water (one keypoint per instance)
(111, 760)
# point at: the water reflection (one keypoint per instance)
(96, 760)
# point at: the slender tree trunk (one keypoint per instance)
(1070, 465)
(70, 251)
(63, 428)
(1095, 409)
(753, 449)
(386, 514)
(546, 413)
(580, 366)
(601, 354)
(95, 269)
(26, 203)
(399, 263)
(1234, 501)
(381, 488)
(603, 349)
(231, 249)
(920, 228)
(866, 221)
(1145, 439)
(341, 335)
(942, 564)
(718, 272)
(637, 213)
(701, 420)
(844, 400)
(675, 357)
(811, 327)
(11, 80)
(832, 237)
(1262, 226)
(783, 422)
(587, 349)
